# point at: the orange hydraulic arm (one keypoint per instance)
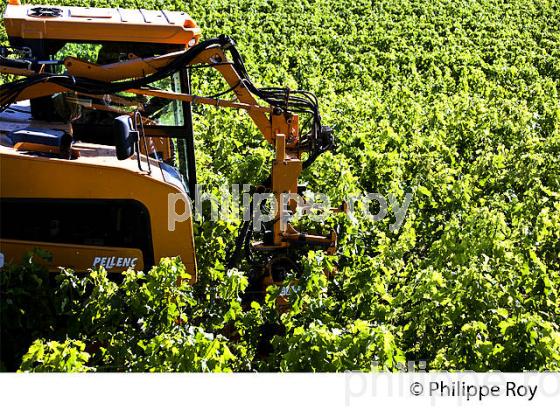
(279, 128)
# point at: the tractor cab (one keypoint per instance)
(73, 180)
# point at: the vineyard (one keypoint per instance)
(454, 102)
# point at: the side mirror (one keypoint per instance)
(125, 136)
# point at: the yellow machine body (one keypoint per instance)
(93, 179)
(95, 176)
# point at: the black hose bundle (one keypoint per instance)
(317, 139)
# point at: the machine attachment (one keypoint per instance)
(126, 137)
(128, 132)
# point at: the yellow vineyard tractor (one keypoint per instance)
(88, 147)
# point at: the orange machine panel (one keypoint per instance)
(76, 257)
(98, 177)
(100, 24)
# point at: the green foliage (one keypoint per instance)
(53, 356)
(28, 310)
(456, 102)
(142, 322)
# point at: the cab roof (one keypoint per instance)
(99, 25)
